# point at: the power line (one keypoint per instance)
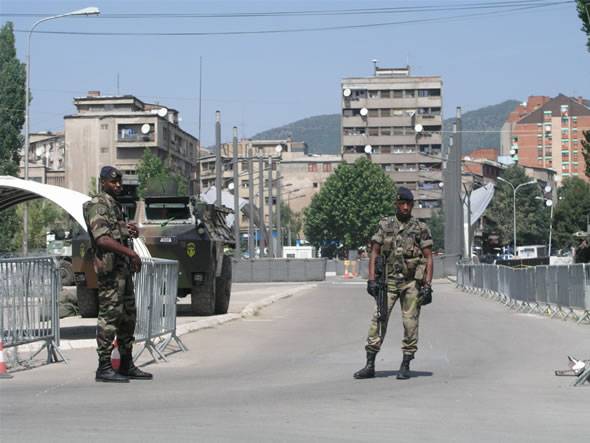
(310, 13)
(309, 29)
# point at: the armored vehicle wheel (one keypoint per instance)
(203, 299)
(66, 273)
(87, 301)
(223, 287)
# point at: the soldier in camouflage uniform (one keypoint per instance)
(114, 263)
(406, 245)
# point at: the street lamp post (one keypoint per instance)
(549, 204)
(86, 11)
(514, 190)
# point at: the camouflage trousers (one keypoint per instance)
(407, 293)
(116, 313)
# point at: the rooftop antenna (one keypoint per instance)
(375, 61)
(118, 93)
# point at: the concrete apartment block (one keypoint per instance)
(398, 118)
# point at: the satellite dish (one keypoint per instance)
(512, 151)
(145, 128)
(230, 186)
(548, 203)
(368, 149)
(346, 92)
(364, 112)
(278, 149)
(547, 189)
(418, 127)
(162, 112)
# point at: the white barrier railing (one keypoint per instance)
(557, 291)
(155, 294)
(29, 291)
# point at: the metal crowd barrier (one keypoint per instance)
(155, 294)
(29, 312)
(557, 291)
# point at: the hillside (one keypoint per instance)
(488, 120)
(322, 132)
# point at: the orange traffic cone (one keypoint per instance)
(116, 356)
(3, 369)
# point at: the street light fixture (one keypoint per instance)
(514, 190)
(86, 11)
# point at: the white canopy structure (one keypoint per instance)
(14, 191)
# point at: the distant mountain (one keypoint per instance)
(488, 120)
(321, 133)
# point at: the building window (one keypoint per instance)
(373, 112)
(386, 113)
(316, 185)
(373, 94)
(386, 131)
(398, 93)
(104, 126)
(312, 167)
(385, 93)
(327, 167)
(410, 93)
(373, 132)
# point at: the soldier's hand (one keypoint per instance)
(135, 262)
(372, 288)
(132, 228)
(425, 295)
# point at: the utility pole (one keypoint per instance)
(452, 190)
(261, 228)
(218, 168)
(236, 195)
(198, 187)
(270, 223)
(279, 226)
(251, 205)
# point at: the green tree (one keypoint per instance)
(44, 216)
(532, 217)
(153, 175)
(583, 12)
(291, 222)
(586, 152)
(437, 230)
(571, 212)
(12, 118)
(348, 207)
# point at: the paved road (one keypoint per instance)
(482, 374)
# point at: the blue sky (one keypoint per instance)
(263, 81)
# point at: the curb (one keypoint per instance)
(249, 310)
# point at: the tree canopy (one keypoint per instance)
(154, 175)
(586, 152)
(349, 205)
(532, 216)
(12, 118)
(583, 12)
(571, 211)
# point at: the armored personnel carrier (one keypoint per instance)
(177, 228)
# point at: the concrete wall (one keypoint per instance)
(278, 270)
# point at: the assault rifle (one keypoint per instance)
(381, 294)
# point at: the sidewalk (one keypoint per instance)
(246, 300)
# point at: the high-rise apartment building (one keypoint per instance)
(116, 130)
(551, 135)
(396, 119)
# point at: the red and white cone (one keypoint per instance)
(116, 356)
(3, 369)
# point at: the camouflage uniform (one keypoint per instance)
(401, 245)
(116, 297)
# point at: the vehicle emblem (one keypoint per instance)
(191, 249)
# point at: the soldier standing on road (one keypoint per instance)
(406, 245)
(114, 263)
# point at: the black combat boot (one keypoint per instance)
(106, 373)
(369, 370)
(128, 368)
(404, 369)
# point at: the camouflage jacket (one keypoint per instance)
(104, 216)
(402, 244)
